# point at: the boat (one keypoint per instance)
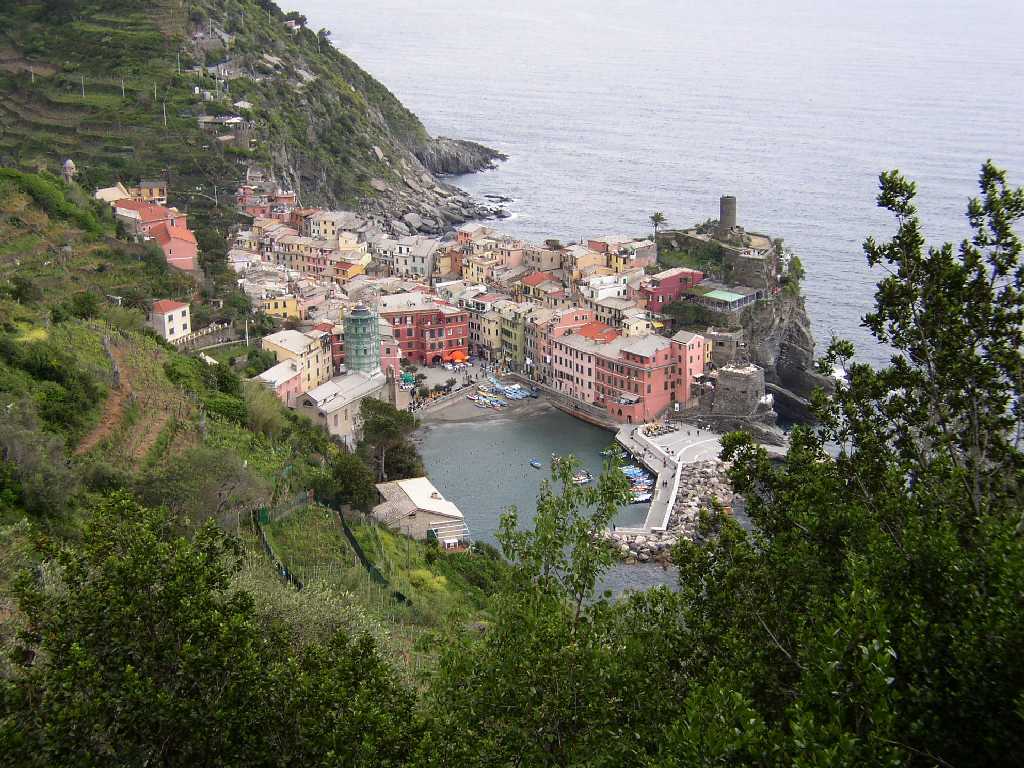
(535, 463)
(472, 397)
(640, 498)
(582, 477)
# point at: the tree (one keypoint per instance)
(139, 651)
(348, 481)
(264, 412)
(35, 460)
(541, 686)
(657, 221)
(870, 617)
(24, 291)
(203, 484)
(322, 37)
(385, 445)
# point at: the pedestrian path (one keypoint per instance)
(665, 455)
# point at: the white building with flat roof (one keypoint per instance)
(417, 509)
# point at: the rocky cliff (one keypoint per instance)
(452, 157)
(779, 339)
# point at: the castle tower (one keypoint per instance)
(362, 340)
(726, 214)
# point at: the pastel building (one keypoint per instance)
(427, 331)
(634, 378)
(284, 380)
(336, 404)
(658, 291)
(311, 350)
(542, 328)
(180, 247)
(170, 319)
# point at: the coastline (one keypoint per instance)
(459, 410)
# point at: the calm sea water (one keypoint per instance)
(613, 110)
(484, 467)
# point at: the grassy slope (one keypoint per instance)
(445, 592)
(325, 131)
(133, 434)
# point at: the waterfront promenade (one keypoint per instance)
(666, 455)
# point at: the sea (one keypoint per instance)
(610, 111)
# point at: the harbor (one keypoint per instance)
(480, 459)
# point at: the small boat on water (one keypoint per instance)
(535, 463)
(474, 398)
(582, 477)
(640, 498)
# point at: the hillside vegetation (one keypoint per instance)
(117, 86)
(93, 403)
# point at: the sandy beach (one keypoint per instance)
(459, 410)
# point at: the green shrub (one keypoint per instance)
(228, 406)
(50, 197)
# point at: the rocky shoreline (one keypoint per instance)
(454, 157)
(701, 484)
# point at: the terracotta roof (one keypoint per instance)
(536, 279)
(166, 305)
(597, 331)
(165, 234)
(148, 212)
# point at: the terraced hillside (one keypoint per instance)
(118, 87)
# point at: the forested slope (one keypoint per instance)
(118, 85)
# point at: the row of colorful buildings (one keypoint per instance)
(586, 319)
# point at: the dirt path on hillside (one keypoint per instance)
(113, 408)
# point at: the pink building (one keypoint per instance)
(690, 350)
(542, 330)
(179, 246)
(658, 291)
(284, 380)
(141, 218)
(636, 379)
(573, 362)
(390, 353)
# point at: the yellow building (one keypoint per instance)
(479, 269)
(280, 306)
(311, 350)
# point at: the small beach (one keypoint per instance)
(461, 410)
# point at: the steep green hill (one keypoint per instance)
(118, 85)
(91, 402)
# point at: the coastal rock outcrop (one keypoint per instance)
(451, 157)
(779, 339)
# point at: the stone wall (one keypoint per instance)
(738, 391)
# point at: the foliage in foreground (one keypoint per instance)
(874, 617)
(138, 651)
